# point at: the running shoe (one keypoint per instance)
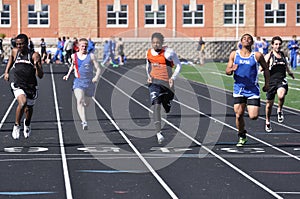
(16, 132)
(280, 117)
(84, 126)
(160, 138)
(27, 130)
(268, 127)
(167, 106)
(242, 141)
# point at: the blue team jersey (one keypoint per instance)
(84, 79)
(246, 76)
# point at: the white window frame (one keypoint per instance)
(117, 16)
(5, 18)
(233, 12)
(274, 13)
(39, 18)
(155, 16)
(193, 16)
(298, 14)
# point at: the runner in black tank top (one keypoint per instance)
(26, 67)
(278, 67)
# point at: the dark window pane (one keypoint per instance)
(149, 21)
(187, 21)
(160, 21)
(122, 21)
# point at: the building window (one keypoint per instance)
(273, 17)
(155, 18)
(5, 15)
(38, 18)
(298, 13)
(193, 18)
(117, 18)
(230, 14)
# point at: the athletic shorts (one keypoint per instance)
(248, 101)
(274, 87)
(158, 91)
(89, 89)
(19, 91)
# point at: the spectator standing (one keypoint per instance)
(293, 47)
(120, 50)
(59, 51)
(91, 46)
(68, 48)
(201, 53)
(265, 46)
(258, 45)
(13, 42)
(1, 50)
(43, 46)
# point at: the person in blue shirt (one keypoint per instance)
(59, 51)
(265, 46)
(293, 46)
(91, 46)
(258, 45)
(244, 64)
(106, 53)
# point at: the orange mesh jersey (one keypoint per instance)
(160, 68)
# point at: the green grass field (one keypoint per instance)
(214, 74)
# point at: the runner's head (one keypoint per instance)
(157, 40)
(247, 40)
(83, 44)
(22, 42)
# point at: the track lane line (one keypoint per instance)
(264, 187)
(61, 141)
(154, 173)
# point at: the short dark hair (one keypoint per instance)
(23, 36)
(247, 35)
(158, 35)
(276, 38)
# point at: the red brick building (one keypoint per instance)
(139, 18)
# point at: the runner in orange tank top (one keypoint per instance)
(159, 67)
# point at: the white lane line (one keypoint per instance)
(288, 192)
(61, 141)
(7, 112)
(264, 187)
(158, 178)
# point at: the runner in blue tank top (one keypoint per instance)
(243, 64)
(84, 82)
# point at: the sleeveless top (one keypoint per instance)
(246, 75)
(24, 72)
(83, 71)
(277, 68)
(160, 68)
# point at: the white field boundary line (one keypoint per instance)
(224, 75)
(154, 173)
(264, 187)
(2, 76)
(7, 112)
(217, 102)
(61, 141)
(229, 126)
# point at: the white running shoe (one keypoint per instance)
(268, 128)
(16, 132)
(160, 138)
(280, 117)
(27, 130)
(84, 125)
